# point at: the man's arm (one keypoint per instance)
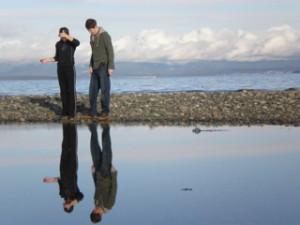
(110, 53)
(72, 203)
(70, 38)
(113, 189)
(91, 66)
(50, 180)
(75, 42)
(45, 60)
(67, 36)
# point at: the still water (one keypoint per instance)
(153, 84)
(149, 175)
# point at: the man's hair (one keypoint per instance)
(96, 217)
(64, 29)
(90, 23)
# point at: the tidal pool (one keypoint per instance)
(165, 175)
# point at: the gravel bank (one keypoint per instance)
(235, 108)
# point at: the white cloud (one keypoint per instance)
(206, 44)
(280, 42)
(184, 30)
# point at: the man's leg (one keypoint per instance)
(105, 89)
(95, 147)
(68, 160)
(71, 94)
(93, 92)
(106, 151)
(63, 89)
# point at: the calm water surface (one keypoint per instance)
(166, 175)
(153, 84)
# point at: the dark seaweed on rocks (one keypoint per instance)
(247, 107)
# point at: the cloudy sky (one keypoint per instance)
(155, 30)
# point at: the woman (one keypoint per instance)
(64, 57)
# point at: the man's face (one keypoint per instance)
(98, 210)
(93, 31)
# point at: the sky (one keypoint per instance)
(155, 30)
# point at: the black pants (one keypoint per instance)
(67, 82)
(68, 162)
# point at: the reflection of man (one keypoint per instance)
(67, 181)
(104, 173)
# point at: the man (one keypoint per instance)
(100, 69)
(68, 188)
(104, 173)
(64, 56)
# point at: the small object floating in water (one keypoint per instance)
(187, 189)
(197, 130)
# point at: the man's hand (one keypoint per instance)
(50, 180)
(93, 169)
(43, 60)
(68, 205)
(63, 35)
(90, 71)
(113, 169)
(66, 36)
(110, 72)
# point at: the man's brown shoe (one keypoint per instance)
(87, 117)
(103, 117)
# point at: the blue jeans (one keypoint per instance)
(100, 80)
(102, 158)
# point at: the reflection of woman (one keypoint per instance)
(104, 173)
(68, 188)
(64, 57)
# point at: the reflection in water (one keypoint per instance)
(68, 188)
(104, 173)
(246, 175)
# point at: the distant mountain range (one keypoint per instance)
(140, 69)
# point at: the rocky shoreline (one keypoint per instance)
(245, 107)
